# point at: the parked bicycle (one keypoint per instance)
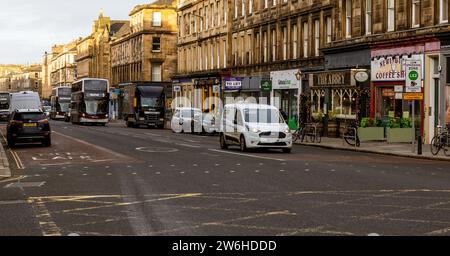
(351, 135)
(441, 141)
(299, 133)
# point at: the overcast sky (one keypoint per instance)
(28, 28)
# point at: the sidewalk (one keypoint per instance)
(5, 172)
(397, 149)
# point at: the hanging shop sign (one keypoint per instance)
(266, 85)
(391, 68)
(361, 76)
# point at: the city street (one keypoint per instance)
(120, 181)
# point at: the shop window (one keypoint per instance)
(317, 102)
(343, 103)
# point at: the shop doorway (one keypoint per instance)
(288, 104)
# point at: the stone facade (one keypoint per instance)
(63, 66)
(204, 57)
(93, 52)
(146, 49)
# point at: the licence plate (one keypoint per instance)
(267, 140)
(30, 125)
(141, 119)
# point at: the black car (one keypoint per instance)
(30, 125)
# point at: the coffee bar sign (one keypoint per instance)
(391, 68)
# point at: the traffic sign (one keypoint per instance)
(413, 96)
(413, 77)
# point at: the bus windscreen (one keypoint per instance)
(95, 85)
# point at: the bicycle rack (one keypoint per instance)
(355, 137)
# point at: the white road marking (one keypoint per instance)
(306, 170)
(246, 155)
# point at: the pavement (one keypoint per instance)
(5, 171)
(383, 148)
(118, 181)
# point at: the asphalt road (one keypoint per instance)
(121, 181)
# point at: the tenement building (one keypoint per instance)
(275, 43)
(145, 50)
(204, 58)
(93, 57)
(405, 47)
(63, 66)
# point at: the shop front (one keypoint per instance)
(391, 103)
(232, 87)
(336, 98)
(183, 92)
(286, 88)
(207, 93)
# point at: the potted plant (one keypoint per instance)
(399, 130)
(318, 117)
(370, 129)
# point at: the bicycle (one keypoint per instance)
(351, 135)
(441, 141)
(299, 134)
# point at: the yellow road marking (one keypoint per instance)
(48, 226)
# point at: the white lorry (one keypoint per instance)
(24, 100)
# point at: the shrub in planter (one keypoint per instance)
(369, 130)
(399, 130)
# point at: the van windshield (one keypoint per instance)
(264, 116)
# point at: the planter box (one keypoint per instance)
(395, 135)
(371, 133)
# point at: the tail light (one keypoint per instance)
(16, 122)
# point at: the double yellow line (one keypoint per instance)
(16, 157)
(14, 154)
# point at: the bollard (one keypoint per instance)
(419, 145)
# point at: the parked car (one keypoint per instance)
(254, 126)
(187, 120)
(28, 125)
(211, 123)
(47, 110)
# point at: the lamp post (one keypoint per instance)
(299, 76)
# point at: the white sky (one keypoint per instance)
(28, 28)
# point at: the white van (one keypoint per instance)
(254, 126)
(24, 100)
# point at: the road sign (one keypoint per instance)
(413, 76)
(413, 96)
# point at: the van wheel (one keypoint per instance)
(243, 144)
(223, 142)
